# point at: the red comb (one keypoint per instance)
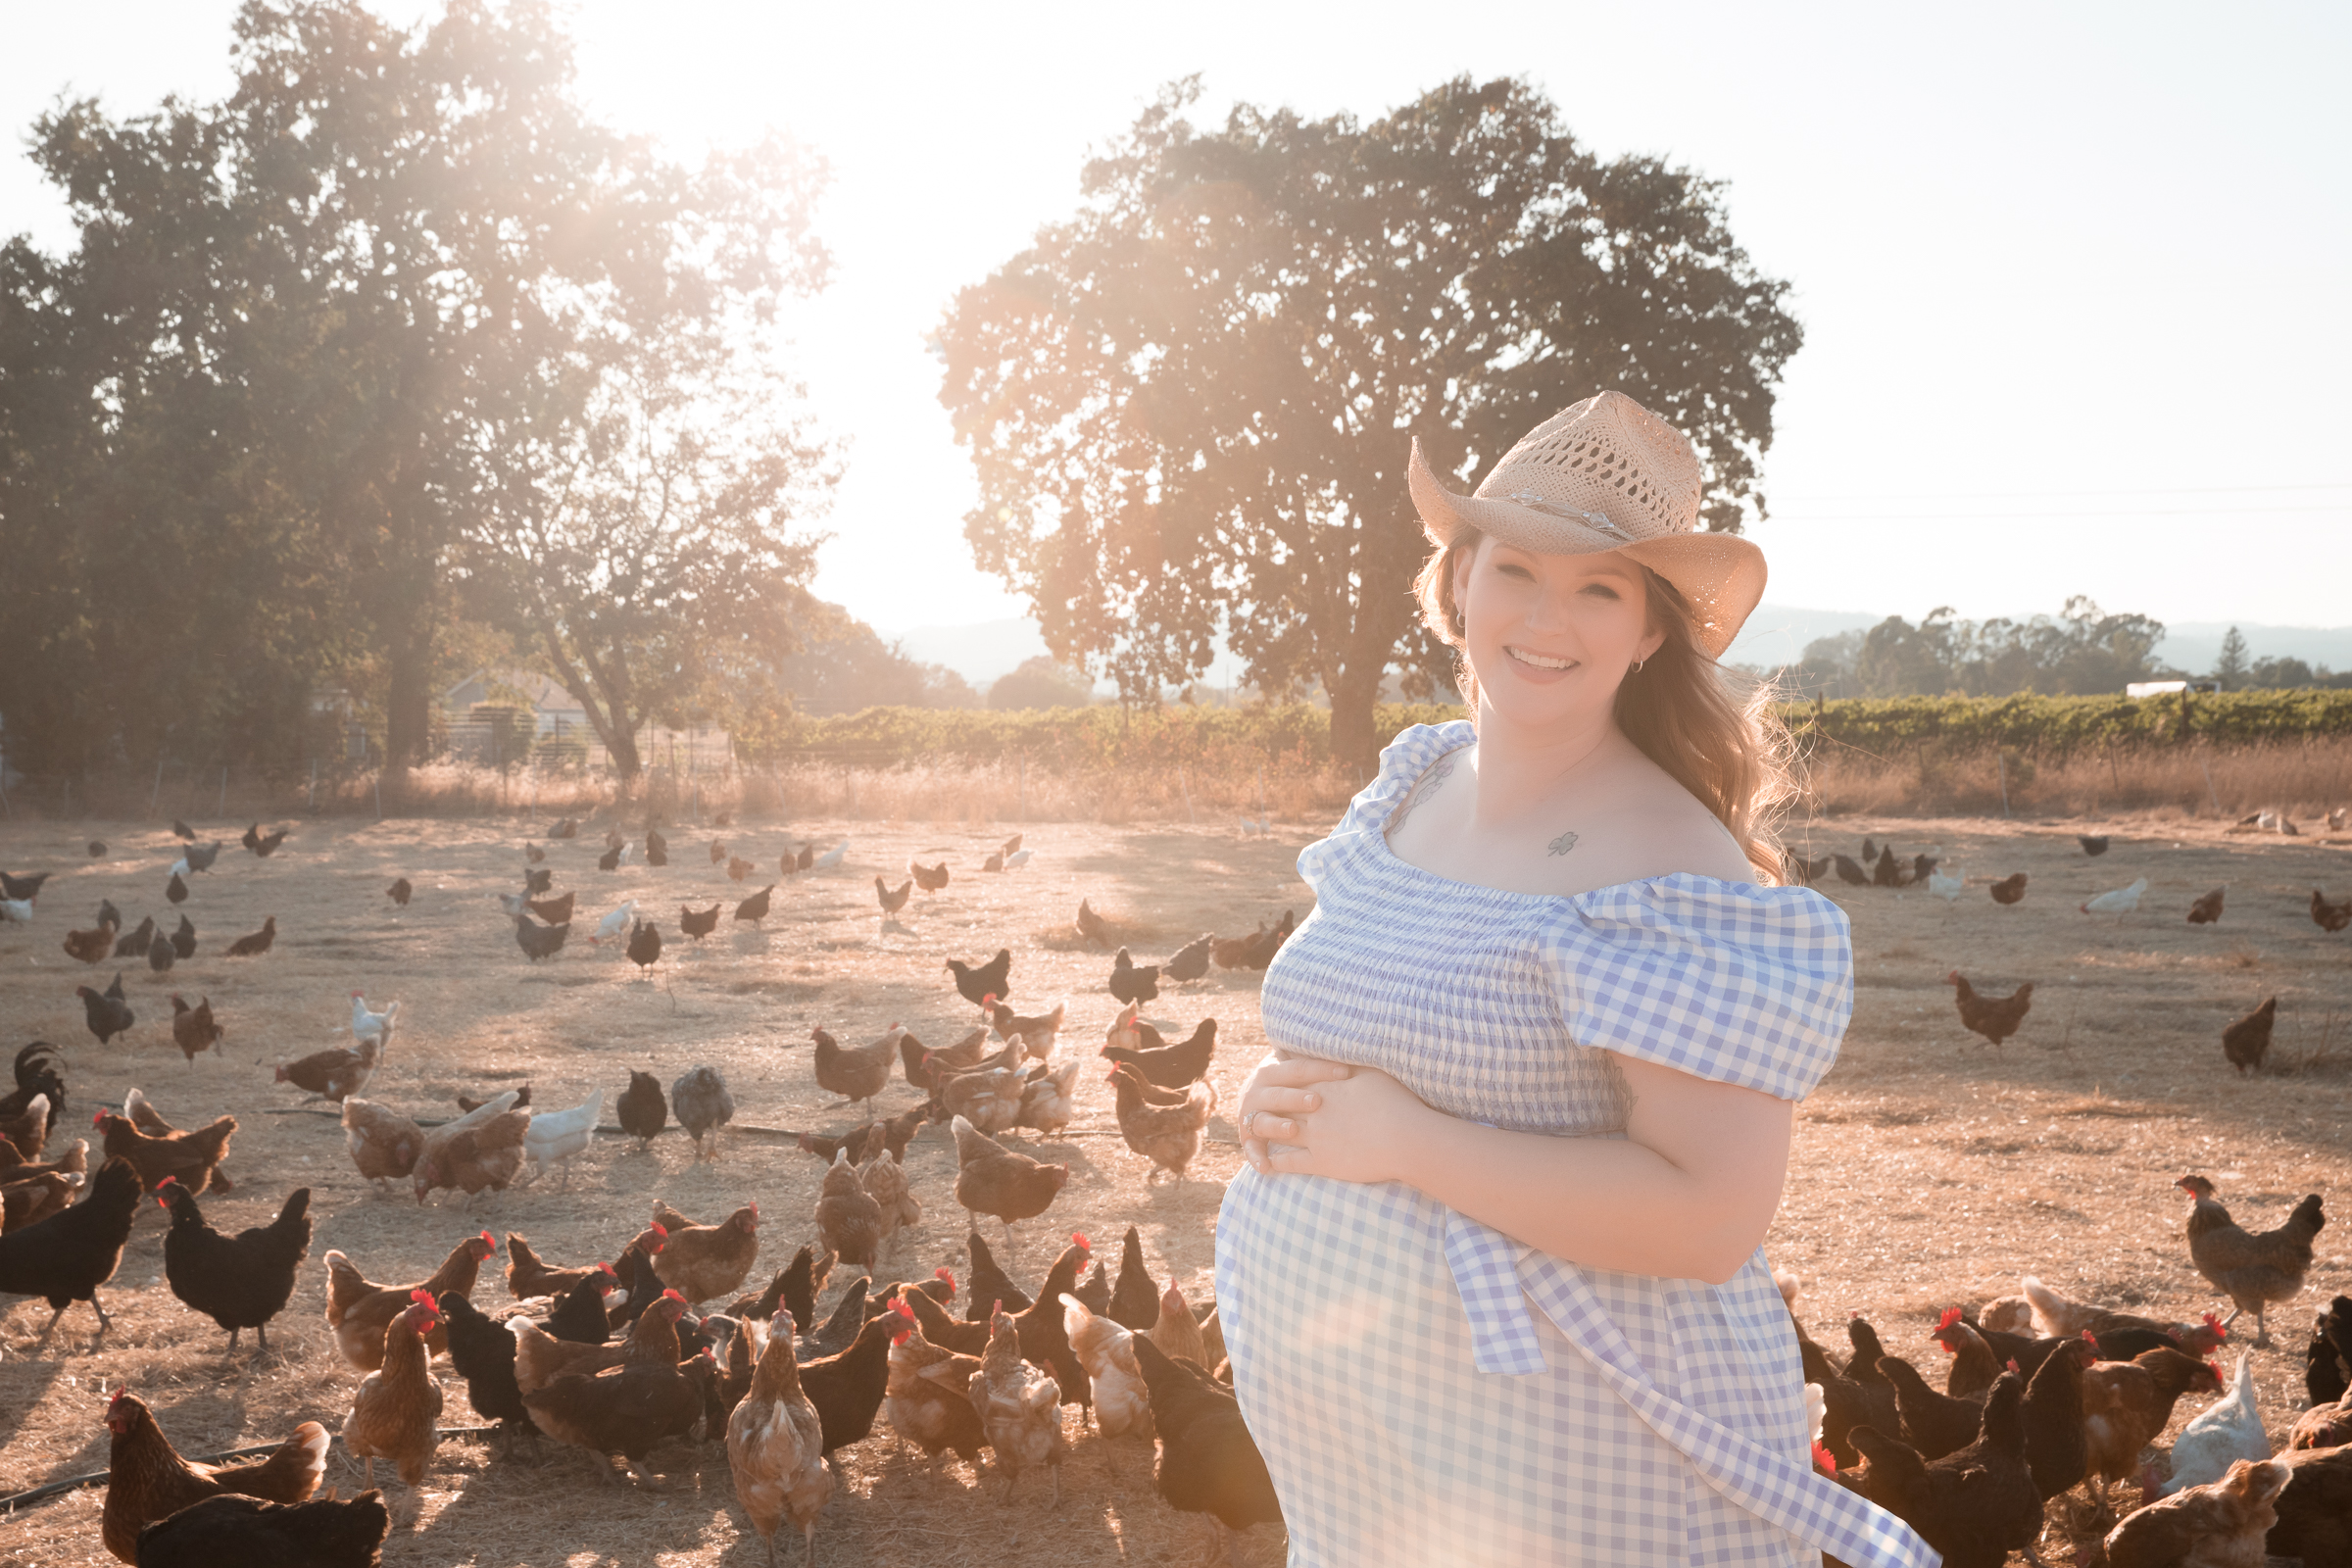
(609, 1269)
(943, 1273)
(901, 1307)
(994, 1306)
(1952, 1315)
(672, 1295)
(660, 1231)
(2014, 1367)
(424, 1298)
(99, 1120)
(1823, 1458)
(1078, 1240)
(493, 1244)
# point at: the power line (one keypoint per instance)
(2033, 494)
(2003, 516)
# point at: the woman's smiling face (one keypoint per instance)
(1551, 636)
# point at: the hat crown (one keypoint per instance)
(1606, 458)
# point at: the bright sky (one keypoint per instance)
(2073, 277)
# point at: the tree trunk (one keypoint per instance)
(1356, 740)
(409, 707)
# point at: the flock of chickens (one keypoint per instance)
(2244, 1042)
(616, 1356)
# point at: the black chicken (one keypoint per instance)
(1131, 983)
(1190, 962)
(1176, 1067)
(1209, 1463)
(1261, 949)
(539, 881)
(183, 940)
(323, 1532)
(160, 954)
(642, 1109)
(539, 940)
(401, 892)
(134, 945)
(1851, 874)
(106, 1011)
(242, 1281)
(991, 979)
(182, 830)
(645, 944)
(755, 908)
(2092, 847)
(657, 848)
(482, 1353)
(989, 1283)
(66, 1257)
(1134, 1300)
(175, 891)
(698, 926)
(580, 1314)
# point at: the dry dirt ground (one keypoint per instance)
(1928, 1170)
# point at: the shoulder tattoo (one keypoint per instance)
(1437, 775)
(1562, 844)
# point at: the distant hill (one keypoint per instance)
(1775, 635)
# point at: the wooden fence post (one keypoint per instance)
(223, 808)
(380, 795)
(313, 804)
(156, 793)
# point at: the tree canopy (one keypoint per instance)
(1190, 404)
(336, 359)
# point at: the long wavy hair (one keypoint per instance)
(1726, 748)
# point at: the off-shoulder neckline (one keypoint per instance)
(1400, 786)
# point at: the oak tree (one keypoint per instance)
(1190, 404)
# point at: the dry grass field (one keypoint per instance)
(1929, 1169)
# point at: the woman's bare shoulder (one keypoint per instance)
(1652, 826)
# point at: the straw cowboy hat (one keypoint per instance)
(1607, 475)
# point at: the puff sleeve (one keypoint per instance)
(1726, 981)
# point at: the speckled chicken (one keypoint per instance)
(702, 1104)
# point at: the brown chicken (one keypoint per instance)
(147, 1480)
(527, 1276)
(2207, 910)
(627, 1408)
(540, 1356)
(1048, 1098)
(1974, 1505)
(483, 1158)
(192, 1028)
(1996, 1018)
(2314, 1511)
(927, 1396)
(988, 1098)
(930, 878)
(554, 911)
(847, 1219)
(395, 1415)
(2329, 916)
(2055, 1314)
(2246, 1042)
(1039, 1325)
(26, 1131)
(357, 1308)
(893, 900)
(192, 1156)
(1165, 1066)
(2126, 1405)
(775, 1442)
(1038, 1033)
(2252, 1268)
(256, 943)
(991, 1179)
(2218, 1526)
(337, 1072)
(1020, 1409)
(383, 1143)
(1091, 926)
(30, 1199)
(703, 1261)
(2009, 889)
(94, 946)
(885, 1181)
(856, 1074)
(1160, 1124)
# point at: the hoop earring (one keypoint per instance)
(1638, 663)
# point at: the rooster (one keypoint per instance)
(2252, 1268)
(1996, 1018)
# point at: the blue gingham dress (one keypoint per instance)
(1428, 1391)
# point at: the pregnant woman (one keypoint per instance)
(1491, 1278)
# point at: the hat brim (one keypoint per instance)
(1720, 575)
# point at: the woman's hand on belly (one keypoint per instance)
(1361, 1131)
(1278, 1091)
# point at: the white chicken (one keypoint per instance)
(514, 904)
(375, 1026)
(179, 868)
(832, 857)
(1947, 886)
(613, 925)
(18, 912)
(1107, 1352)
(1047, 1101)
(558, 1134)
(1017, 859)
(2122, 900)
(2225, 1432)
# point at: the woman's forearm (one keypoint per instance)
(1604, 1202)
